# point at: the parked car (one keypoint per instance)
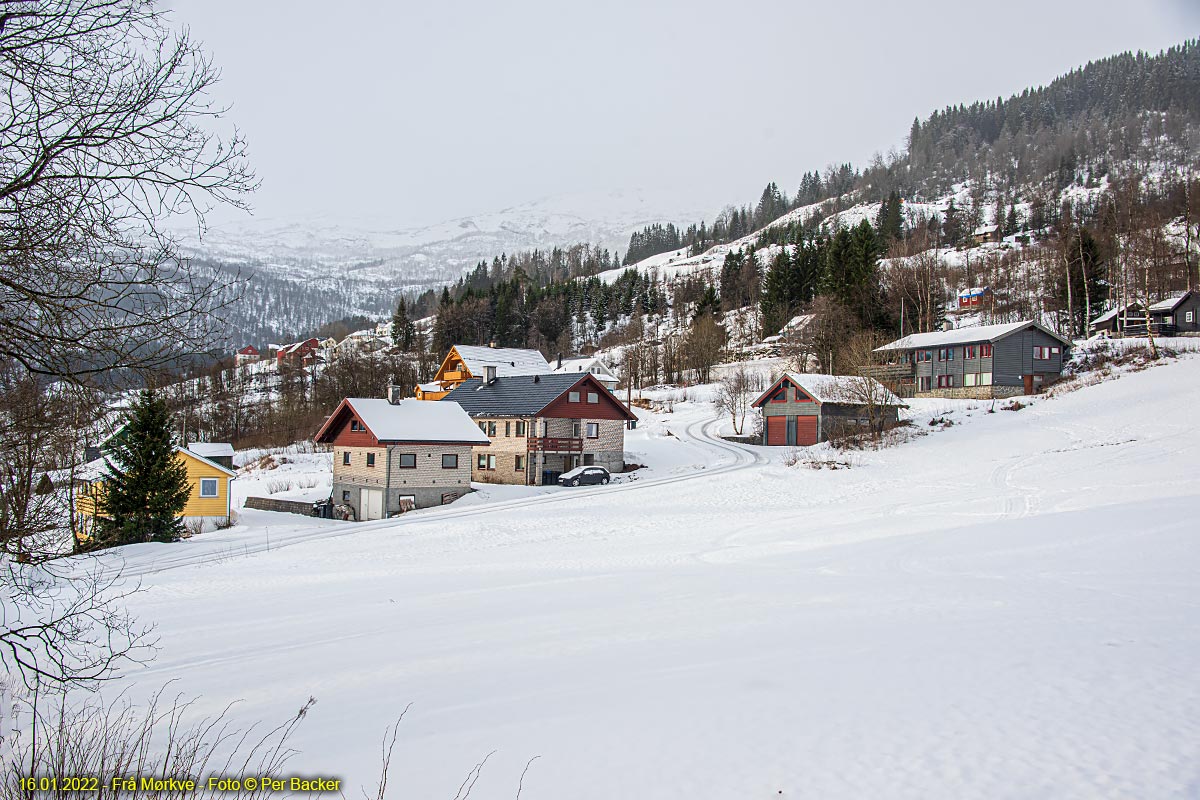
(584, 475)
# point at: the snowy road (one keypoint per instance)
(1004, 608)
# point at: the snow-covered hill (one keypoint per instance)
(1005, 607)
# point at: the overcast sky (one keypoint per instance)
(409, 113)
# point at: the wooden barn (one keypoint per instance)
(801, 409)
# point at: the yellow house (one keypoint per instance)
(208, 504)
(464, 362)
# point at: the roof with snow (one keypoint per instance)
(98, 470)
(506, 360)
(980, 333)
(1170, 303)
(211, 449)
(974, 291)
(846, 389)
(522, 395)
(984, 229)
(578, 365)
(407, 421)
(1109, 315)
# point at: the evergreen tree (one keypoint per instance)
(403, 329)
(952, 227)
(147, 486)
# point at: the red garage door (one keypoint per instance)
(777, 430)
(806, 430)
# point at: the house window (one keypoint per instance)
(593, 397)
(924, 355)
(508, 429)
(985, 351)
(576, 427)
(593, 430)
(1055, 351)
(449, 461)
(573, 397)
(481, 461)
(589, 459)
(985, 379)
(924, 383)
(406, 501)
(801, 397)
(408, 461)
(208, 487)
(945, 354)
(370, 459)
(520, 427)
(345, 496)
(346, 458)
(1189, 316)
(519, 463)
(491, 431)
(969, 351)
(1045, 353)
(781, 395)
(355, 426)
(970, 379)
(491, 462)
(945, 381)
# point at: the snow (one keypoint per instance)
(211, 449)
(982, 333)
(507, 360)
(1005, 607)
(415, 420)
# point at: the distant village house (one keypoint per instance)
(801, 409)
(464, 362)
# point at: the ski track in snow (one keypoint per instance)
(1004, 608)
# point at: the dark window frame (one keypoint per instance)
(400, 461)
(453, 465)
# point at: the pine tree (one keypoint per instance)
(147, 486)
(403, 329)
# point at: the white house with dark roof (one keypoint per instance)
(978, 362)
(393, 457)
(590, 365)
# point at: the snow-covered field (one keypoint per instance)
(1004, 608)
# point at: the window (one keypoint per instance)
(408, 461)
(519, 463)
(589, 459)
(345, 496)
(924, 383)
(449, 461)
(491, 431)
(970, 379)
(573, 397)
(985, 351)
(781, 395)
(346, 458)
(945, 354)
(924, 355)
(593, 397)
(1189, 316)
(208, 487)
(985, 379)
(576, 427)
(508, 428)
(801, 397)
(520, 427)
(969, 351)
(593, 430)
(370, 459)
(1045, 353)
(945, 381)
(483, 428)
(406, 502)
(481, 461)
(491, 462)
(355, 425)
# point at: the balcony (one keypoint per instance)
(454, 375)
(554, 444)
(885, 372)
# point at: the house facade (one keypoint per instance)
(974, 297)
(297, 354)
(1175, 315)
(540, 426)
(982, 362)
(464, 362)
(802, 409)
(209, 504)
(392, 457)
(246, 355)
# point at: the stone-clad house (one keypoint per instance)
(390, 457)
(540, 426)
(981, 362)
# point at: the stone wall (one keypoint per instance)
(974, 392)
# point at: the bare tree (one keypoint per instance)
(736, 390)
(703, 346)
(104, 130)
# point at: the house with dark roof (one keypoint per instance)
(979, 362)
(390, 457)
(540, 426)
(464, 362)
(1178, 314)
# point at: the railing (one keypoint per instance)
(884, 371)
(1157, 328)
(554, 444)
(455, 375)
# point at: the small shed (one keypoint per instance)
(801, 409)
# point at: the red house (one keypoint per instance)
(298, 354)
(246, 355)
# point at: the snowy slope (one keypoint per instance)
(1004, 608)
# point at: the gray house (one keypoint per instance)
(802, 409)
(981, 362)
(391, 457)
(1174, 315)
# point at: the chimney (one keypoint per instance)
(489, 374)
(948, 325)
(393, 394)
(559, 361)
(537, 378)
